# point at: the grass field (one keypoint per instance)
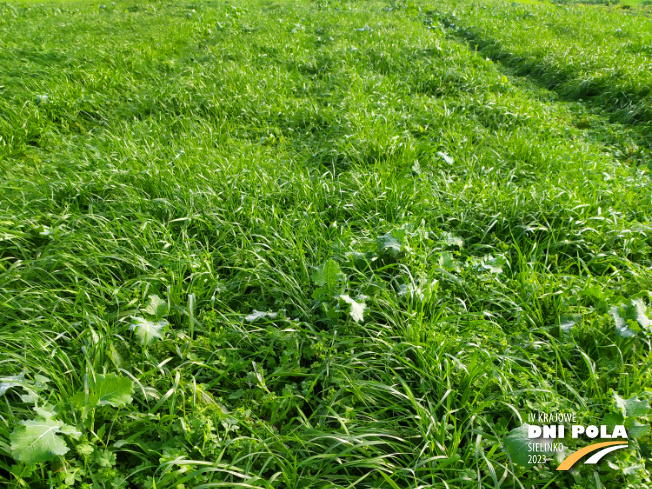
(331, 244)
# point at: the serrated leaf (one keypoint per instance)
(631, 470)
(633, 406)
(157, 307)
(32, 387)
(355, 309)
(594, 292)
(36, 441)
(637, 311)
(104, 458)
(452, 240)
(29, 398)
(46, 411)
(634, 312)
(147, 331)
(494, 264)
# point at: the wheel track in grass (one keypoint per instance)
(624, 103)
(626, 140)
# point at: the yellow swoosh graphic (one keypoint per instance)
(575, 456)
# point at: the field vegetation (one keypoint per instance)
(582, 52)
(331, 244)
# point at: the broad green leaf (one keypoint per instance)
(327, 274)
(329, 278)
(40, 381)
(44, 231)
(32, 387)
(7, 383)
(447, 262)
(111, 390)
(567, 323)
(630, 318)
(597, 297)
(157, 307)
(389, 243)
(411, 292)
(108, 390)
(332, 312)
(633, 406)
(46, 411)
(516, 443)
(355, 309)
(622, 328)
(611, 420)
(30, 398)
(632, 469)
(360, 260)
(37, 441)
(636, 429)
(637, 311)
(147, 331)
(69, 430)
(594, 292)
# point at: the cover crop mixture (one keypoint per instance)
(275, 244)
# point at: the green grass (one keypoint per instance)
(582, 52)
(313, 162)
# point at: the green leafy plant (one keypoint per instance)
(148, 330)
(330, 293)
(38, 441)
(631, 318)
